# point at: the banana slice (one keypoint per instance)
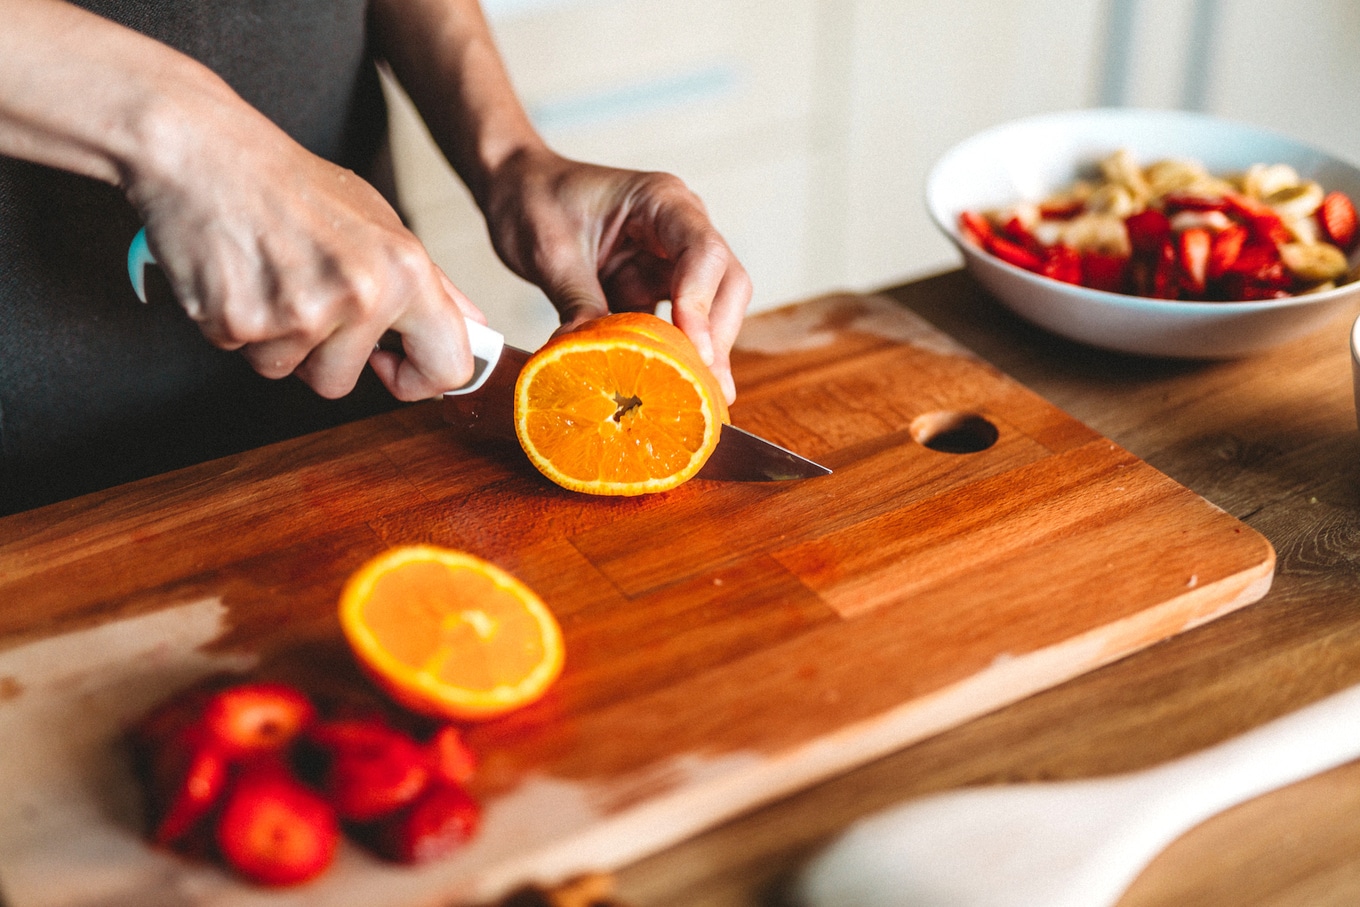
(1113, 198)
(1295, 202)
(1213, 221)
(1305, 230)
(1262, 180)
(1313, 262)
(1103, 233)
(1121, 168)
(1174, 175)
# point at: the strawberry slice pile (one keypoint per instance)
(255, 775)
(1221, 247)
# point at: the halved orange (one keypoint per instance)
(446, 633)
(621, 406)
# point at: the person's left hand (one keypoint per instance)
(599, 239)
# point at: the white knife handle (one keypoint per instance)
(486, 344)
(486, 352)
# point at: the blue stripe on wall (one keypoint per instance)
(624, 101)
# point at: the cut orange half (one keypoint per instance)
(622, 406)
(448, 634)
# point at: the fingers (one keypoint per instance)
(436, 356)
(324, 330)
(710, 289)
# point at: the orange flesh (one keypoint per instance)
(620, 407)
(465, 647)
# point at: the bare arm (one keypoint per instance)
(593, 238)
(296, 262)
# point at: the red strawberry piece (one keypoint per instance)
(1225, 249)
(1015, 229)
(186, 778)
(1258, 273)
(1260, 262)
(1192, 250)
(367, 769)
(1065, 209)
(1173, 202)
(1165, 273)
(1062, 263)
(273, 830)
(441, 820)
(450, 757)
(252, 718)
(1013, 253)
(1336, 216)
(1104, 272)
(1265, 225)
(1148, 231)
(975, 227)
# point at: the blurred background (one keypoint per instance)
(808, 126)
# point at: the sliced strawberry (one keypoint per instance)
(441, 820)
(273, 830)
(365, 768)
(1192, 251)
(451, 759)
(1258, 273)
(1013, 253)
(1165, 283)
(1063, 209)
(186, 778)
(1184, 201)
(1015, 230)
(1062, 263)
(975, 227)
(1265, 225)
(1148, 231)
(1336, 216)
(1104, 272)
(1223, 252)
(252, 718)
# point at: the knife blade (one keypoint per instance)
(485, 408)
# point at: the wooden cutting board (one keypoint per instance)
(727, 643)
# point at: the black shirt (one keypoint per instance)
(97, 389)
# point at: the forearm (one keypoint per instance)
(443, 53)
(84, 94)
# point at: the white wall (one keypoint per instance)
(808, 126)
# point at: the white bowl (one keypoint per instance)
(1355, 366)
(1028, 159)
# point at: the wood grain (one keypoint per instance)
(728, 643)
(1273, 440)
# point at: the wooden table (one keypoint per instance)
(1272, 440)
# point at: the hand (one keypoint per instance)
(298, 263)
(598, 239)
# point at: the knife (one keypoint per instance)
(484, 407)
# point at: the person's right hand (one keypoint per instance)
(296, 262)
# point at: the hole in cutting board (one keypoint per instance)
(952, 432)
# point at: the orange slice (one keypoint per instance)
(622, 406)
(446, 633)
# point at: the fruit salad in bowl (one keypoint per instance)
(1156, 233)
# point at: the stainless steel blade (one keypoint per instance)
(744, 457)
